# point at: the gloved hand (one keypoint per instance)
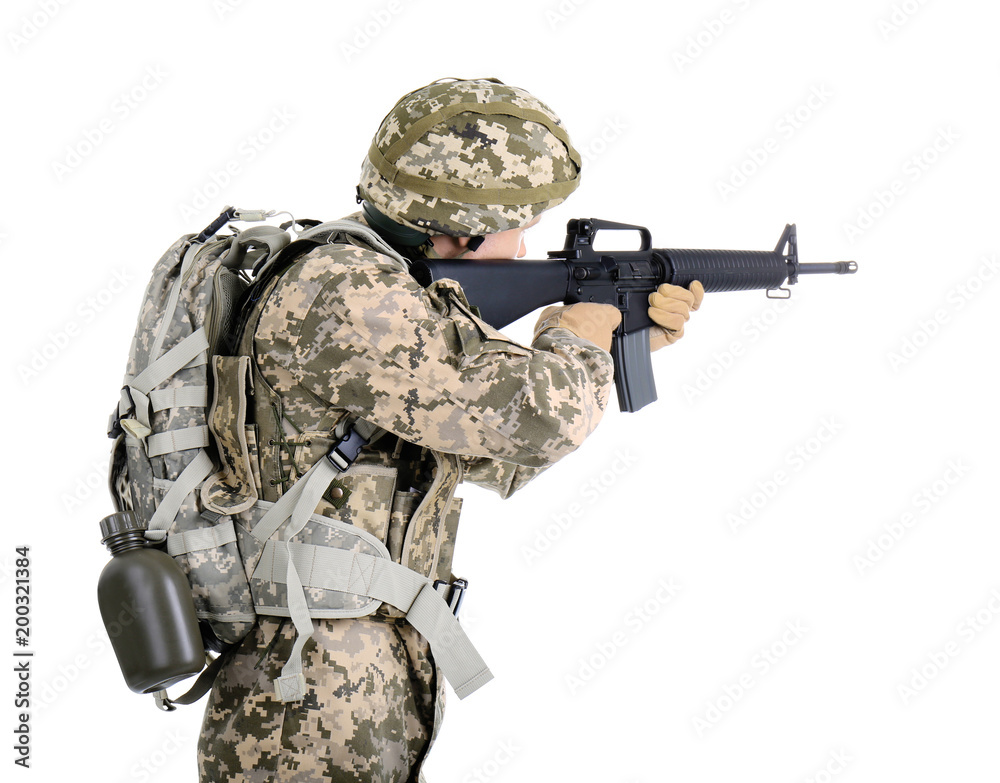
(591, 321)
(670, 307)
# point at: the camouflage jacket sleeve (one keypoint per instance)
(504, 478)
(358, 333)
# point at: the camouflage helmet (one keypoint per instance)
(468, 157)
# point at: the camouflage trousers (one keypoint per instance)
(372, 708)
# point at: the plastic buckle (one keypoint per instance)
(455, 593)
(346, 451)
(163, 702)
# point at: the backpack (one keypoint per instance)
(177, 433)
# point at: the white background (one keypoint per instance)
(661, 495)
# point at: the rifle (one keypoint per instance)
(504, 291)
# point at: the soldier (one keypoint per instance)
(457, 169)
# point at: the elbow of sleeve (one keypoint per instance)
(563, 426)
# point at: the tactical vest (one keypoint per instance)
(416, 518)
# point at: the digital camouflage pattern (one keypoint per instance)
(323, 531)
(157, 332)
(351, 330)
(231, 490)
(348, 331)
(140, 480)
(372, 707)
(521, 151)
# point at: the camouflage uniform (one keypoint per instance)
(347, 331)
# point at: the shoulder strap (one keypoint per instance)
(329, 231)
(258, 290)
(316, 236)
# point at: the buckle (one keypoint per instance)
(455, 593)
(346, 451)
(163, 701)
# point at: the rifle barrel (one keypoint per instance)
(832, 268)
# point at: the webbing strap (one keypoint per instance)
(187, 352)
(166, 511)
(177, 440)
(204, 538)
(291, 684)
(384, 580)
(185, 397)
(357, 230)
(203, 684)
(142, 407)
(273, 238)
(313, 490)
(275, 516)
(175, 292)
(298, 504)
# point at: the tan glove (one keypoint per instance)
(670, 306)
(592, 321)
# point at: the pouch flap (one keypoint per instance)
(232, 489)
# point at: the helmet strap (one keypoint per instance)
(392, 232)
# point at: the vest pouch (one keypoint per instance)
(265, 564)
(232, 489)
